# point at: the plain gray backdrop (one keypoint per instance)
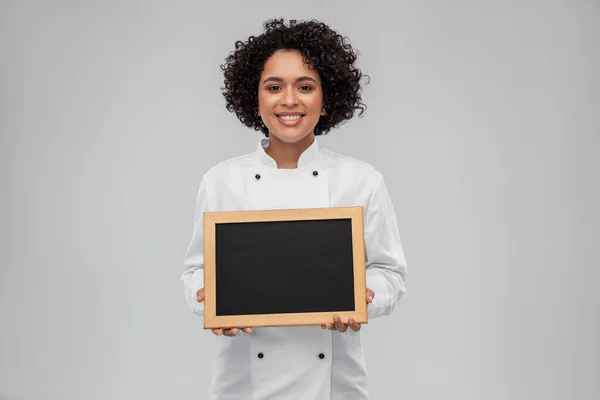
(484, 117)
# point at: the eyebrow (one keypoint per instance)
(300, 79)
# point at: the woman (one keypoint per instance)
(293, 83)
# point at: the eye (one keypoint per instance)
(305, 88)
(273, 88)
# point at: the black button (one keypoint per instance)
(315, 173)
(260, 355)
(257, 176)
(321, 356)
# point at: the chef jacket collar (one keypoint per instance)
(308, 156)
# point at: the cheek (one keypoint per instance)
(261, 101)
(265, 102)
(316, 104)
(317, 99)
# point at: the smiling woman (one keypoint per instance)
(293, 83)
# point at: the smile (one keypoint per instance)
(290, 119)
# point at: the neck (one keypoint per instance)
(286, 155)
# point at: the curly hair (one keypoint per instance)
(321, 47)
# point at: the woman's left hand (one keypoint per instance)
(339, 326)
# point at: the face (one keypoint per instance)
(290, 98)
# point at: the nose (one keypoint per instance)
(289, 98)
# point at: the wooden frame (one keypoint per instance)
(212, 219)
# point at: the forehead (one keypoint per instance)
(288, 64)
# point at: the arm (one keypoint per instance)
(386, 266)
(193, 274)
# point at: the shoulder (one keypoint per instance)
(211, 179)
(361, 182)
(229, 166)
(358, 169)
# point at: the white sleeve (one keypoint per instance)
(386, 265)
(193, 274)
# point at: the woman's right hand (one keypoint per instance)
(225, 331)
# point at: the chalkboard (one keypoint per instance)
(284, 267)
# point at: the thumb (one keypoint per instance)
(370, 295)
(200, 295)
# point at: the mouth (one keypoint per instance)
(290, 119)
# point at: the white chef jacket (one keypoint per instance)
(306, 362)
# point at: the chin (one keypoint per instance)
(290, 137)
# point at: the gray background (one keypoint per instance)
(483, 117)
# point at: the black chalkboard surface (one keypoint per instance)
(284, 267)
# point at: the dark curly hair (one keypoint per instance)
(321, 47)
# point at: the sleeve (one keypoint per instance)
(193, 274)
(385, 262)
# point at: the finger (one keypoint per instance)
(339, 324)
(230, 332)
(200, 296)
(217, 332)
(330, 326)
(355, 326)
(370, 295)
(247, 330)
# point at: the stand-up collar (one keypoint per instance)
(308, 156)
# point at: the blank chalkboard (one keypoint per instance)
(284, 267)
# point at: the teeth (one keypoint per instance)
(289, 117)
